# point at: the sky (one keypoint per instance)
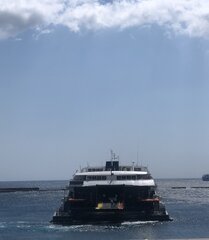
(79, 78)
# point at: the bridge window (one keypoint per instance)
(96, 178)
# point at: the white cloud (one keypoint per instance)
(188, 17)
(16, 16)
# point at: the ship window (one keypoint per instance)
(80, 178)
(96, 178)
(134, 177)
(88, 177)
(94, 169)
(146, 176)
(100, 178)
(127, 177)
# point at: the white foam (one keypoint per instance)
(2, 225)
(138, 222)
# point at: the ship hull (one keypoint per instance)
(107, 217)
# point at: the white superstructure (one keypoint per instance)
(113, 174)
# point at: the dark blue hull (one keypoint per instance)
(107, 217)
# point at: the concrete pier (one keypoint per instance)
(37, 189)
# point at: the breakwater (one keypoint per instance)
(28, 189)
(201, 187)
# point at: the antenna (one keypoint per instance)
(139, 155)
(113, 156)
(133, 165)
(111, 153)
(137, 158)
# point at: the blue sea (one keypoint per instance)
(26, 215)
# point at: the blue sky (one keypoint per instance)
(78, 79)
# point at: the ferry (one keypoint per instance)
(111, 194)
(205, 177)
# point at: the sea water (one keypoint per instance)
(27, 215)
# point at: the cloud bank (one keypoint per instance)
(184, 17)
